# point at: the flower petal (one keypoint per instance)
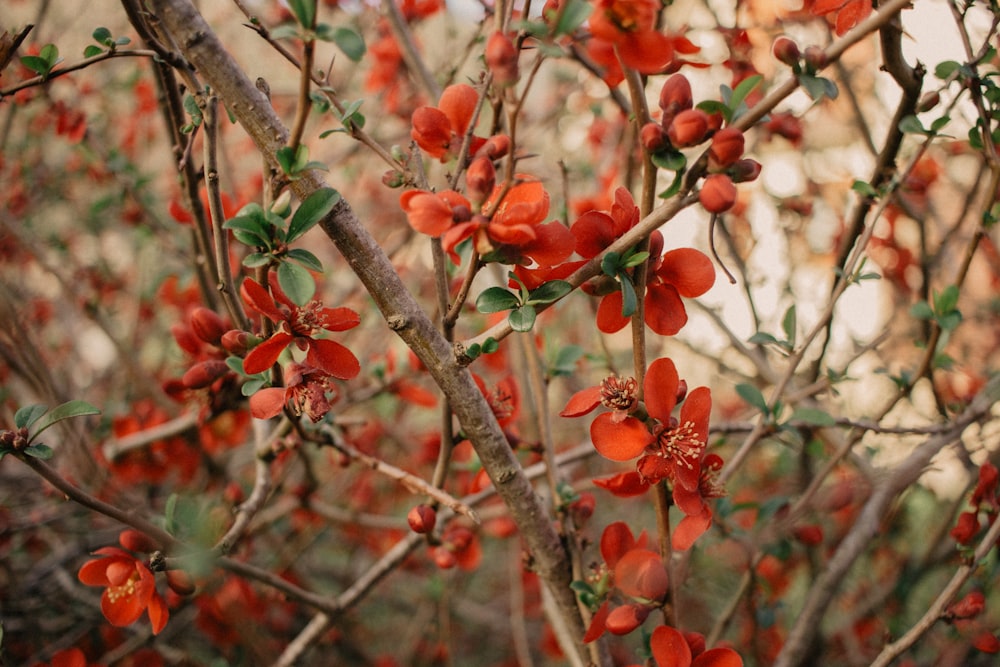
(687, 269)
(458, 103)
(616, 541)
(431, 130)
(596, 627)
(623, 485)
(426, 212)
(660, 388)
(690, 529)
(266, 353)
(619, 441)
(640, 574)
(334, 358)
(267, 403)
(158, 613)
(665, 313)
(260, 300)
(648, 51)
(669, 647)
(339, 319)
(553, 244)
(582, 402)
(718, 657)
(609, 313)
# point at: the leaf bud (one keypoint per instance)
(393, 178)
(928, 101)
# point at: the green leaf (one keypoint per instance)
(315, 207)
(864, 188)
(306, 259)
(50, 54)
(67, 410)
(296, 282)
(812, 416)
(169, 514)
(611, 264)
(28, 415)
(629, 301)
(473, 351)
(635, 259)
(43, 452)
(818, 87)
(286, 31)
(256, 260)
(574, 13)
(788, 325)
(669, 159)
(102, 36)
(304, 11)
(250, 230)
(739, 94)
(349, 41)
(752, 396)
(92, 50)
(253, 385)
(286, 159)
(947, 300)
(911, 125)
(939, 123)
(945, 69)
(762, 338)
(548, 292)
(36, 64)
(495, 300)
(490, 345)
(565, 362)
(921, 310)
(522, 319)
(675, 186)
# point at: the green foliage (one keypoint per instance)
(44, 62)
(818, 87)
(295, 162)
(522, 305)
(347, 40)
(35, 419)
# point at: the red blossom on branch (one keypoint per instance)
(300, 325)
(310, 391)
(129, 588)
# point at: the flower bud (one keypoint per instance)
(204, 373)
(745, 170)
(180, 582)
(968, 607)
(816, 58)
(207, 325)
(675, 96)
(787, 51)
(138, 542)
(726, 148)
(501, 58)
(928, 101)
(682, 390)
(688, 128)
(422, 519)
(444, 558)
(718, 194)
(186, 340)
(653, 137)
(480, 178)
(393, 178)
(496, 147)
(237, 342)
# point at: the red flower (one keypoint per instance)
(684, 272)
(440, 130)
(630, 27)
(673, 649)
(70, 657)
(130, 588)
(299, 324)
(307, 388)
(434, 213)
(849, 12)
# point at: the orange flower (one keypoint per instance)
(130, 588)
(440, 130)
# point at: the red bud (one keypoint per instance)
(623, 620)
(675, 96)
(138, 542)
(726, 148)
(787, 51)
(745, 170)
(444, 558)
(236, 342)
(816, 58)
(422, 519)
(207, 325)
(204, 373)
(180, 582)
(480, 179)
(501, 58)
(718, 194)
(496, 147)
(688, 128)
(653, 137)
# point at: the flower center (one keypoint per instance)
(308, 320)
(681, 445)
(619, 393)
(125, 590)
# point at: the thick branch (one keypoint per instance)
(202, 48)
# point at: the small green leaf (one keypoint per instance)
(102, 36)
(490, 345)
(565, 362)
(67, 410)
(911, 125)
(752, 396)
(92, 50)
(286, 31)
(306, 259)
(169, 514)
(788, 325)
(39, 451)
(669, 159)
(921, 310)
(572, 16)
(522, 319)
(473, 351)
(945, 69)
(36, 64)
(50, 53)
(946, 301)
(939, 123)
(762, 338)
(864, 188)
(635, 259)
(349, 41)
(296, 282)
(253, 385)
(495, 300)
(315, 207)
(629, 301)
(304, 11)
(251, 230)
(286, 159)
(739, 94)
(611, 264)
(548, 292)
(818, 87)
(812, 417)
(255, 260)
(28, 415)
(675, 186)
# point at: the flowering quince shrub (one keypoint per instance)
(585, 332)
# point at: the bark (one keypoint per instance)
(216, 68)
